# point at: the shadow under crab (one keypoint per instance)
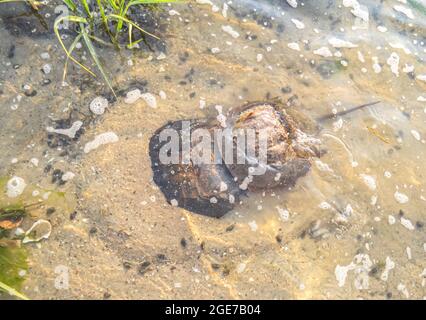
(213, 186)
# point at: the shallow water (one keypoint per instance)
(336, 234)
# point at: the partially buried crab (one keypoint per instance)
(205, 166)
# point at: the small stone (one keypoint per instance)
(47, 68)
(400, 197)
(34, 162)
(133, 96)
(407, 224)
(253, 225)
(150, 100)
(67, 176)
(292, 3)
(50, 211)
(161, 56)
(229, 30)
(45, 55)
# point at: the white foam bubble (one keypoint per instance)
(98, 105)
(101, 139)
(15, 187)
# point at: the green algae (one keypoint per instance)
(418, 6)
(13, 268)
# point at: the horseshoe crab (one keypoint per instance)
(213, 187)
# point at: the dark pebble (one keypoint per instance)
(143, 267)
(215, 266)
(419, 225)
(50, 211)
(30, 92)
(57, 176)
(374, 271)
(226, 271)
(161, 257)
(47, 168)
(326, 69)
(230, 228)
(184, 57)
(73, 215)
(11, 52)
(292, 100)
(190, 73)
(63, 153)
(192, 95)
(93, 230)
(280, 28)
(286, 89)
(183, 243)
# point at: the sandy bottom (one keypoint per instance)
(114, 235)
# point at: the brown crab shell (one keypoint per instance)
(286, 161)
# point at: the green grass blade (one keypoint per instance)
(92, 51)
(56, 30)
(9, 290)
(103, 42)
(70, 4)
(117, 17)
(105, 22)
(122, 13)
(70, 50)
(132, 44)
(86, 7)
(113, 4)
(130, 33)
